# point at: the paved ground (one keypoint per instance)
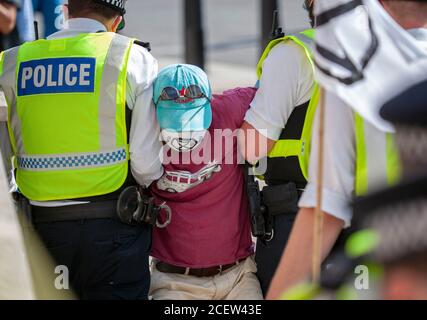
(232, 31)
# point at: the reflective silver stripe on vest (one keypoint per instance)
(9, 79)
(376, 157)
(108, 91)
(71, 161)
(304, 39)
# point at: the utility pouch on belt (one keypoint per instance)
(281, 199)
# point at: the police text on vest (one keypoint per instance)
(56, 75)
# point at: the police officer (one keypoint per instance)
(358, 159)
(279, 123)
(80, 117)
(399, 215)
(389, 226)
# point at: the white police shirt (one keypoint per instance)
(145, 145)
(287, 81)
(339, 155)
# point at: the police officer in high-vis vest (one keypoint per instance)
(279, 123)
(81, 122)
(359, 159)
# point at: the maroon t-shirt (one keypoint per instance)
(210, 220)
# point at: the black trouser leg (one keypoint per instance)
(106, 259)
(268, 255)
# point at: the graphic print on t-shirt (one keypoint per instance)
(181, 181)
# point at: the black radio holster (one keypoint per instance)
(260, 222)
(281, 199)
(272, 201)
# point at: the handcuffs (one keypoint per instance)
(135, 207)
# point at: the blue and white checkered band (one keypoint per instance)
(70, 162)
(117, 3)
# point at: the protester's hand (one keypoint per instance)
(7, 17)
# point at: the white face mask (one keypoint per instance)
(183, 141)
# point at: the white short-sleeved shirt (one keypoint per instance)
(339, 160)
(287, 81)
(145, 145)
(339, 155)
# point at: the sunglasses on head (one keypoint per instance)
(172, 94)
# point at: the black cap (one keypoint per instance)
(118, 5)
(410, 107)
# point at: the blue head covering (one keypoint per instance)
(185, 114)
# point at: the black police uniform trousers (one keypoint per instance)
(106, 258)
(268, 254)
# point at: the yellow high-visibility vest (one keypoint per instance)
(291, 154)
(371, 172)
(67, 115)
(377, 159)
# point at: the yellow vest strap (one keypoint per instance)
(377, 159)
(285, 148)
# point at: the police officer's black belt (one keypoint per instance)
(87, 211)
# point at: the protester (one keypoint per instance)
(206, 252)
(9, 36)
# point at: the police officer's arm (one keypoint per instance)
(338, 189)
(5, 145)
(286, 82)
(7, 16)
(295, 265)
(145, 145)
(6, 151)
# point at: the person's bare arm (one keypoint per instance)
(252, 144)
(7, 17)
(295, 265)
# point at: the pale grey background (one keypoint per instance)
(232, 27)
